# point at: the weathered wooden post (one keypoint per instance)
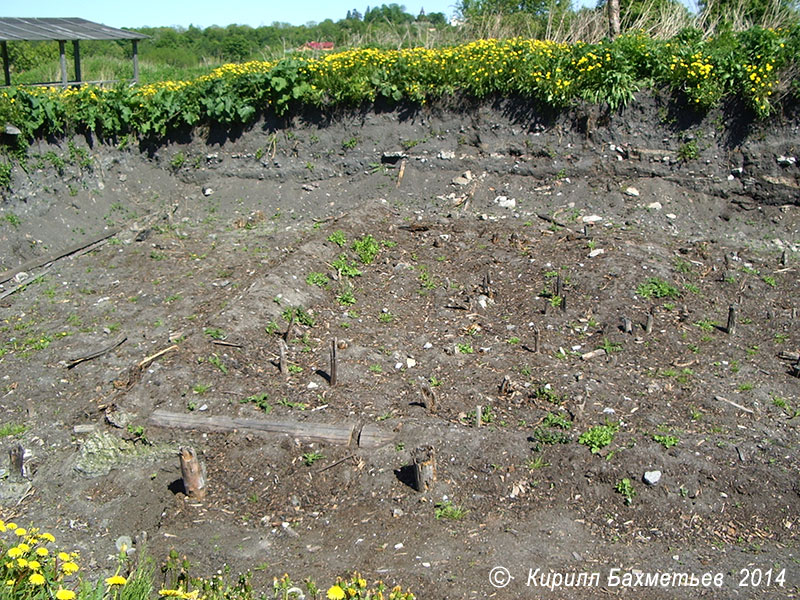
(424, 467)
(193, 474)
(731, 327)
(332, 374)
(16, 460)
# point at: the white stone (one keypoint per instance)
(447, 155)
(654, 205)
(632, 191)
(596, 252)
(672, 216)
(505, 202)
(652, 477)
(592, 218)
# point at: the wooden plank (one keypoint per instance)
(38, 262)
(372, 436)
(307, 432)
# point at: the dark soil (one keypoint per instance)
(217, 237)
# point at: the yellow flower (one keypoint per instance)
(22, 562)
(9, 582)
(42, 552)
(36, 579)
(69, 568)
(116, 580)
(34, 565)
(335, 593)
(49, 537)
(20, 531)
(11, 525)
(14, 552)
(63, 594)
(63, 556)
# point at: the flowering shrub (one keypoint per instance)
(747, 65)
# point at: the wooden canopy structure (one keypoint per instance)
(63, 30)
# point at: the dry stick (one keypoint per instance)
(401, 173)
(193, 474)
(16, 459)
(648, 326)
(731, 327)
(338, 462)
(536, 339)
(332, 374)
(732, 403)
(282, 347)
(424, 467)
(143, 363)
(76, 361)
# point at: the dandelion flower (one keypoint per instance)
(36, 579)
(34, 565)
(335, 593)
(11, 526)
(63, 594)
(14, 552)
(20, 531)
(116, 580)
(49, 537)
(69, 568)
(42, 552)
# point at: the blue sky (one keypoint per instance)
(204, 13)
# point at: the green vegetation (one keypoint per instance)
(338, 238)
(668, 441)
(9, 429)
(318, 279)
(448, 510)
(260, 400)
(625, 487)
(309, 458)
(700, 70)
(345, 267)
(366, 248)
(657, 288)
(599, 436)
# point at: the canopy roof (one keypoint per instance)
(19, 29)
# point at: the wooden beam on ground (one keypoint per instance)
(342, 434)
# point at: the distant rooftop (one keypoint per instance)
(18, 29)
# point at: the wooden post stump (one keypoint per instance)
(332, 373)
(282, 348)
(193, 474)
(16, 460)
(627, 325)
(536, 339)
(731, 327)
(424, 467)
(429, 395)
(648, 326)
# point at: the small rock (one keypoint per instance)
(410, 362)
(447, 155)
(20, 277)
(312, 385)
(596, 252)
(672, 216)
(83, 428)
(505, 202)
(592, 219)
(652, 477)
(398, 546)
(207, 191)
(397, 513)
(464, 179)
(203, 407)
(427, 346)
(393, 157)
(786, 161)
(654, 206)
(632, 191)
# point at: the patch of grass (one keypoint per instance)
(536, 463)
(487, 416)
(260, 400)
(513, 340)
(745, 387)
(448, 510)
(657, 288)
(769, 280)
(707, 325)
(465, 349)
(9, 429)
(201, 388)
(12, 219)
(293, 405)
(214, 333)
(295, 369)
(346, 297)
(338, 238)
(544, 392)
(688, 151)
(386, 317)
(217, 362)
(547, 437)
(610, 347)
(625, 487)
(309, 458)
(375, 369)
(599, 436)
(300, 315)
(318, 279)
(345, 268)
(367, 249)
(556, 420)
(668, 441)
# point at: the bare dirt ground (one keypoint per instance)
(478, 214)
